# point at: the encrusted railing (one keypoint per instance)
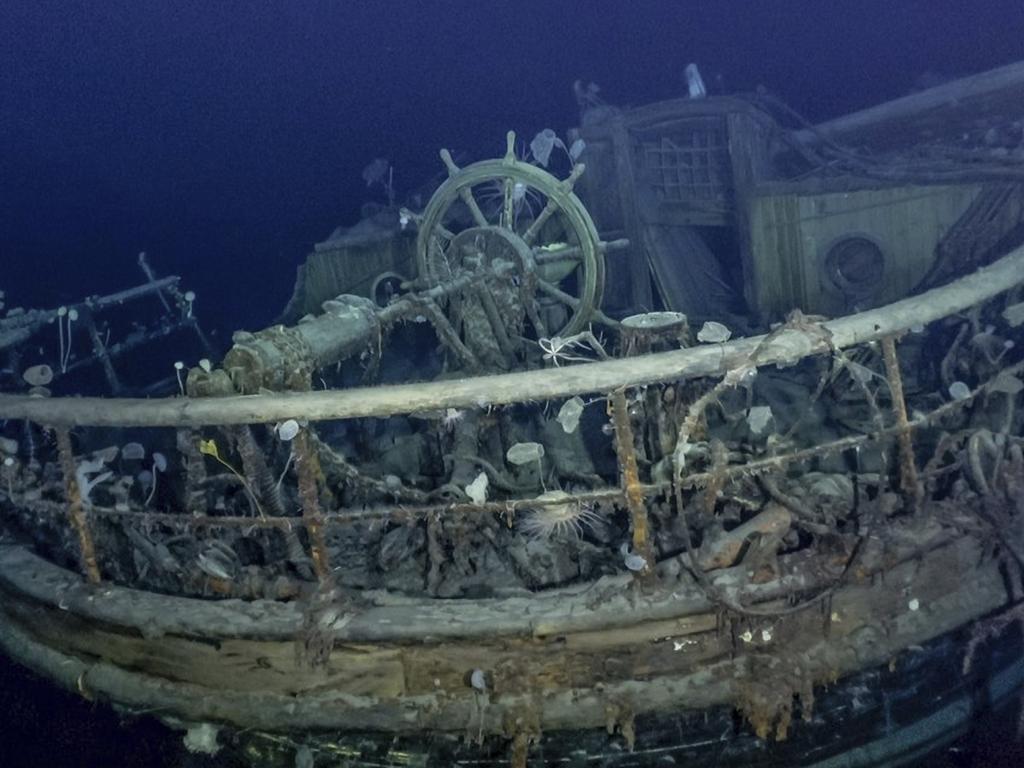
(673, 463)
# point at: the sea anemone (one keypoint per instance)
(551, 520)
(451, 418)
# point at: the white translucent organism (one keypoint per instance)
(61, 314)
(1014, 314)
(159, 465)
(477, 490)
(576, 149)
(133, 451)
(958, 390)
(72, 317)
(206, 365)
(179, 366)
(683, 447)
(518, 192)
(569, 414)
(377, 172)
(634, 562)
(65, 349)
(631, 559)
(107, 454)
(694, 82)
(83, 470)
(451, 418)
(190, 298)
(758, 417)
(287, 430)
(570, 518)
(524, 453)
(1006, 383)
(713, 333)
(478, 680)
(858, 372)
(214, 563)
(38, 375)
(304, 757)
(542, 145)
(202, 739)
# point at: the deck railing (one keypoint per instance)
(619, 383)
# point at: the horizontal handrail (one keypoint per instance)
(785, 347)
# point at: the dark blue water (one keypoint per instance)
(224, 138)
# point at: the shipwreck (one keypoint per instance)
(570, 468)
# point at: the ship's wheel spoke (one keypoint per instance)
(508, 203)
(557, 293)
(466, 193)
(444, 232)
(534, 229)
(544, 255)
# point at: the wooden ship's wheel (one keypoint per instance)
(523, 244)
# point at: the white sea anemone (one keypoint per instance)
(549, 520)
(451, 418)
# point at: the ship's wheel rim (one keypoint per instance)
(508, 172)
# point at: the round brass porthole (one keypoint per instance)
(855, 266)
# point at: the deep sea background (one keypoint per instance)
(224, 138)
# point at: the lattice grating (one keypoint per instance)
(689, 162)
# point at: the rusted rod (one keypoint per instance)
(76, 508)
(151, 277)
(397, 514)
(99, 349)
(634, 491)
(904, 439)
(307, 466)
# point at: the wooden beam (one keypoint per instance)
(710, 360)
(872, 620)
(397, 618)
(943, 110)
